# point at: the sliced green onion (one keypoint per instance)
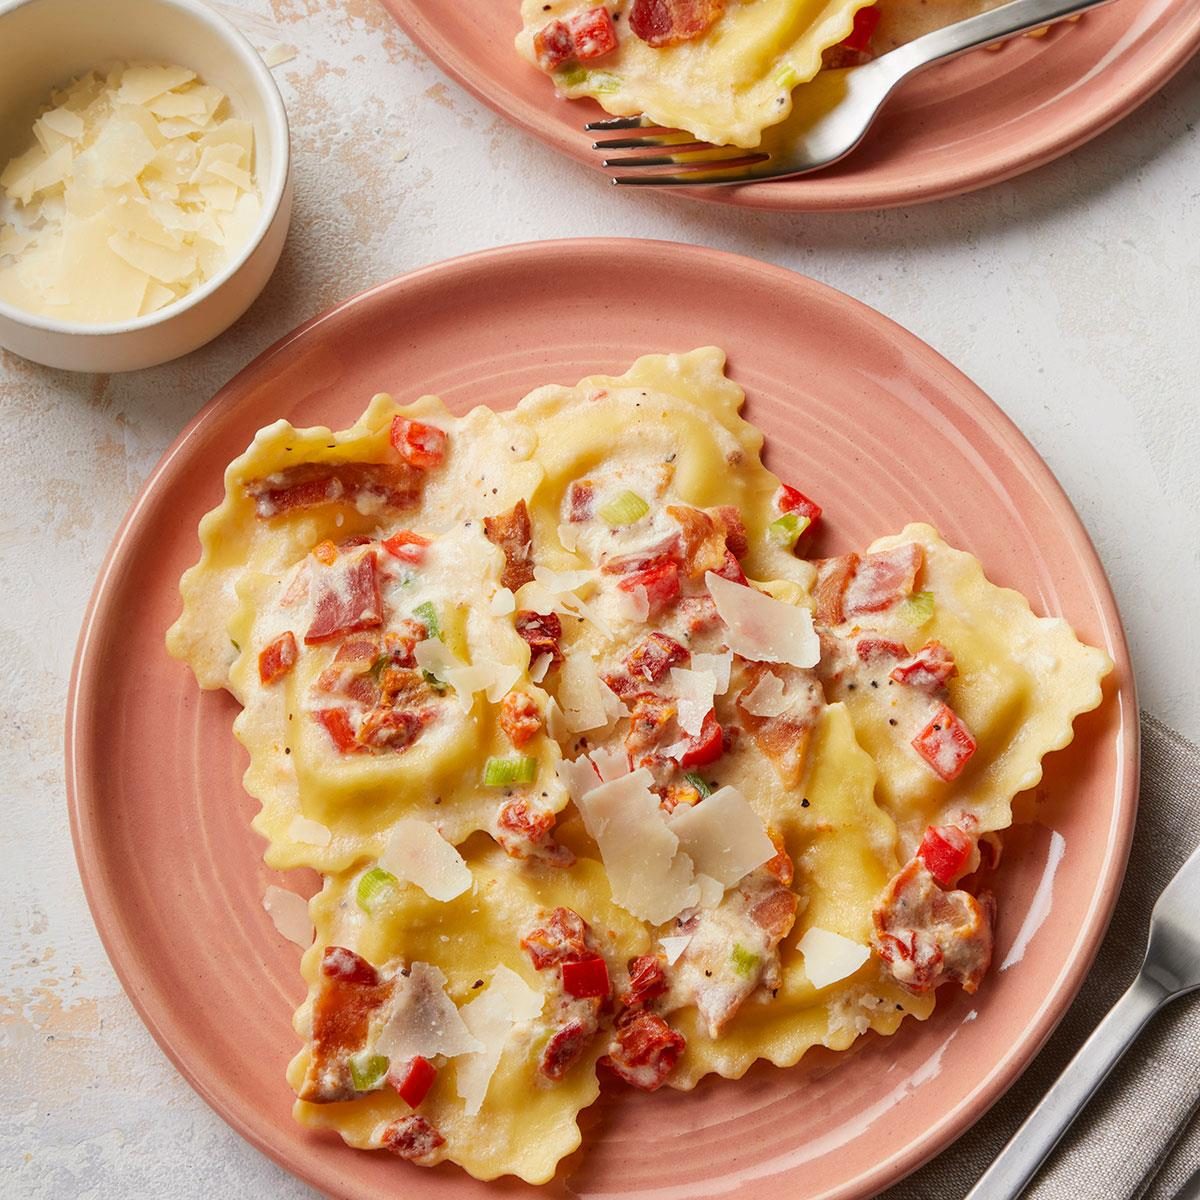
(745, 962)
(235, 645)
(787, 529)
(503, 772)
(787, 76)
(698, 783)
(367, 1070)
(603, 84)
(623, 509)
(428, 616)
(434, 682)
(375, 889)
(572, 78)
(918, 608)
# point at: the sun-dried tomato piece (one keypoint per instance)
(339, 963)
(565, 1048)
(277, 658)
(561, 936)
(662, 585)
(336, 723)
(644, 1051)
(541, 631)
(413, 1138)
(393, 729)
(653, 657)
(520, 718)
(647, 980)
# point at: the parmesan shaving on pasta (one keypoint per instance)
(829, 957)
(289, 914)
(723, 835)
(424, 1020)
(490, 1018)
(417, 853)
(762, 628)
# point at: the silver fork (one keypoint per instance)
(846, 104)
(1170, 969)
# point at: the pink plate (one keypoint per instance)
(960, 126)
(859, 413)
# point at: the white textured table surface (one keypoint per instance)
(1071, 295)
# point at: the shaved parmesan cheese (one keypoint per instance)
(490, 1019)
(561, 582)
(717, 665)
(648, 875)
(578, 775)
(503, 678)
(539, 667)
(611, 763)
(673, 947)
(568, 537)
(556, 723)
(694, 691)
(423, 1019)
(311, 833)
(133, 195)
(289, 913)
(829, 957)
(277, 55)
(762, 628)
(710, 891)
(503, 602)
(633, 606)
(766, 698)
(417, 853)
(723, 835)
(581, 694)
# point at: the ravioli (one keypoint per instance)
(605, 777)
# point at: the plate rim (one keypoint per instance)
(85, 688)
(782, 196)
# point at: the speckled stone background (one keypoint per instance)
(1071, 295)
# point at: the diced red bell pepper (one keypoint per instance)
(420, 445)
(553, 46)
(586, 977)
(706, 747)
(654, 656)
(406, 545)
(946, 850)
(336, 723)
(866, 21)
(661, 582)
(946, 744)
(593, 33)
(929, 670)
(873, 650)
(413, 1083)
(278, 658)
(347, 599)
(791, 500)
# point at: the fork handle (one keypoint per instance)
(1018, 16)
(1018, 1162)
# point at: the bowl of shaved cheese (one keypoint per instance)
(145, 185)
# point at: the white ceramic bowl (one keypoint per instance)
(43, 45)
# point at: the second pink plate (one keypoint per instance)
(963, 125)
(856, 411)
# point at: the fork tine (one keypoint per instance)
(650, 143)
(693, 167)
(621, 123)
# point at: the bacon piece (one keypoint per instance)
(513, 533)
(403, 687)
(310, 485)
(647, 980)
(542, 632)
(783, 738)
(703, 540)
(420, 445)
(699, 614)
(774, 912)
(347, 599)
(277, 658)
(561, 936)
(736, 538)
(520, 718)
(929, 670)
(553, 46)
(525, 831)
(565, 1048)
(653, 657)
(662, 586)
(781, 866)
(668, 22)
(873, 650)
(414, 1139)
(393, 728)
(927, 935)
(644, 1051)
(882, 580)
(581, 500)
(350, 992)
(948, 853)
(946, 744)
(833, 578)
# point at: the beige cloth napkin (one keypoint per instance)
(1139, 1139)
